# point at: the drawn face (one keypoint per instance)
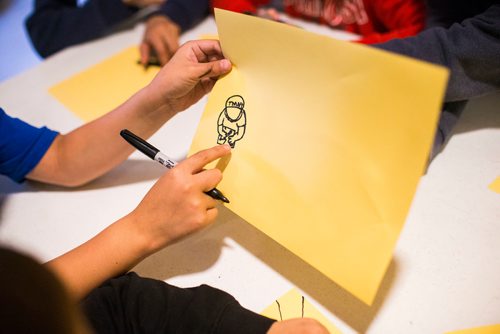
(233, 113)
(234, 106)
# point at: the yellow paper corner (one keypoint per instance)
(495, 185)
(294, 305)
(102, 87)
(490, 329)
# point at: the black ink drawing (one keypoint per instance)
(232, 121)
(279, 308)
(302, 306)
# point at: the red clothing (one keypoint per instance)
(375, 20)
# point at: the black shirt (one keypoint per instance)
(464, 36)
(132, 304)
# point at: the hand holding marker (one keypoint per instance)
(155, 154)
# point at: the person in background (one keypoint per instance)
(375, 21)
(57, 24)
(463, 36)
(43, 299)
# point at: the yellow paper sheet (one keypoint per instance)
(495, 185)
(331, 145)
(493, 329)
(290, 306)
(103, 87)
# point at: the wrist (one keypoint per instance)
(155, 103)
(160, 18)
(139, 238)
(148, 230)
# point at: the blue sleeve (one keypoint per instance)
(56, 24)
(470, 49)
(22, 146)
(186, 13)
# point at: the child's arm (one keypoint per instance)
(57, 24)
(174, 207)
(96, 147)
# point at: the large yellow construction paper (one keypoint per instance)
(294, 305)
(101, 88)
(335, 138)
(493, 329)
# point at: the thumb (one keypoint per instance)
(214, 68)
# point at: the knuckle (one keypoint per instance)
(195, 203)
(176, 173)
(187, 189)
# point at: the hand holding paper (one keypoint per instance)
(189, 75)
(184, 80)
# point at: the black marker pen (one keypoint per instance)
(150, 63)
(156, 155)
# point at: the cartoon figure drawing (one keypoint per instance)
(232, 121)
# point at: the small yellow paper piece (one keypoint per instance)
(495, 185)
(291, 305)
(103, 87)
(330, 140)
(493, 329)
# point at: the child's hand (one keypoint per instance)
(161, 38)
(189, 75)
(177, 204)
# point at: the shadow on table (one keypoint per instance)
(200, 251)
(129, 172)
(194, 254)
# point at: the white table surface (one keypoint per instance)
(445, 273)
